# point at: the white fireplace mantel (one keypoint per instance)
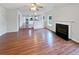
(72, 21)
(66, 23)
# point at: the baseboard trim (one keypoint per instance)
(7, 33)
(3, 34)
(75, 41)
(50, 30)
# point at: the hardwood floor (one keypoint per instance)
(36, 42)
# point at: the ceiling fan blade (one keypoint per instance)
(37, 9)
(40, 6)
(36, 5)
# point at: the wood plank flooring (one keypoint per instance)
(36, 42)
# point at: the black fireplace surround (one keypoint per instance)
(62, 31)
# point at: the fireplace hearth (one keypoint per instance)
(62, 31)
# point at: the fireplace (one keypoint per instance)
(62, 31)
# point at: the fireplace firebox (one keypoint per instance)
(62, 31)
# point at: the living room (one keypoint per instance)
(44, 35)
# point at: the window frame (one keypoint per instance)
(49, 20)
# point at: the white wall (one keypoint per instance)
(12, 20)
(3, 21)
(40, 23)
(8, 20)
(66, 13)
(46, 20)
(22, 18)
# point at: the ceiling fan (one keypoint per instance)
(35, 7)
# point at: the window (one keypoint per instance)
(50, 21)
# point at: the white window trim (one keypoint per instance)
(48, 21)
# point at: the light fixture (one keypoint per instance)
(33, 4)
(35, 7)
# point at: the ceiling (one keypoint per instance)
(24, 7)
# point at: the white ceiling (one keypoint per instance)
(12, 5)
(24, 7)
(46, 7)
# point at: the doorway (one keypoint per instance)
(25, 23)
